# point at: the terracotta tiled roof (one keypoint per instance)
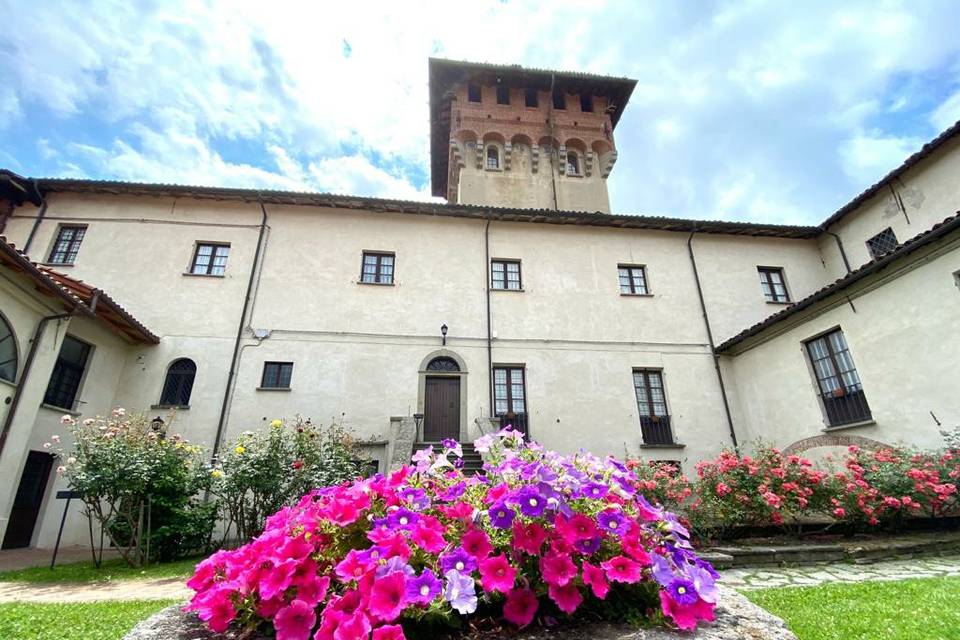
(936, 232)
(77, 295)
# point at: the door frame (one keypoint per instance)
(422, 386)
(41, 502)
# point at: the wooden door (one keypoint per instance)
(441, 410)
(26, 505)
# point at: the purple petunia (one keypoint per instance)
(402, 519)
(415, 497)
(613, 522)
(588, 546)
(530, 500)
(683, 591)
(595, 490)
(458, 560)
(424, 588)
(451, 445)
(460, 592)
(453, 492)
(395, 564)
(501, 516)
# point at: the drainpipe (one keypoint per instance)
(37, 220)
(486, 271)
(236, 345)
(25, 375)
(713, 351)
(843, 254)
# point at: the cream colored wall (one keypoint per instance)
(930, 192)
(902, 338)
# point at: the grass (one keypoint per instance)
(918, 609)
(75, 621)
(109, 571)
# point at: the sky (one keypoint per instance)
(775, 112)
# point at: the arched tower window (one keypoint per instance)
(179, 383)
(573, 164)
(443, 363)
(493, 156)
(8, 352)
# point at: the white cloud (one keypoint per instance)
(867, 157)
(948, 113)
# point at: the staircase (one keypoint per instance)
(472, 461)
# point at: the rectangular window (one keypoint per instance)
(840, 389)
(473, 93)
(67, 245)
(505, 274)
(586, 103)
(531, 98)
(510, 397)
(559, 101)
(210, 259)
(633, 279)
(67, 374)
(377, 268)
(772, 284)
(276, 375)
(503, 95)
(652, 406)
(883, 242)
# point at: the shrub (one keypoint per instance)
(427, 548)
(131, 476)
(263, 471)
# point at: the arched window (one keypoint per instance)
(573, 164)
(443, 363)
(8, 352)
(178, 383)
(493, 157)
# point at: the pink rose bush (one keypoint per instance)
(539, 535)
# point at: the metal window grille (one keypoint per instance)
(573, 164)
(840, 388)
(178, 384)
(67, 374)
(652, 406)
(509, 397)
(8, 352)
(883, 242)
(633, 279)
(210, 259)
(505, 274)
(276, 375)
(772, 284)
(377, 268)
(67, 245)
(493, 157)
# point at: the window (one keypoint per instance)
(443, 363)
(573, 164)
(178, 384)
(586, 103)
(210, 259)
(67, 245)
(652, 406)
(509, 396)
(503, 95)
(493, 157)
(505, 274)
(276, 375)
(772, 284)
(531, 98)
(633, 279)
(840, 389)
(67, 374)
(8, 352)
(559, 101)
(883, 242)
(377, 268)
(473, 93)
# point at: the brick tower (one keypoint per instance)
(528, 138)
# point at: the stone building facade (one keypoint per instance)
(521, 300)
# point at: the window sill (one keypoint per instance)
(274, 389)
(492, 169)
(376, 284)
(853, 425)
(784, 303)
(675, 445)
(205, 275)
(520, 290)
(58, 264)
(178, 407)
(636, 295)
(60, 410)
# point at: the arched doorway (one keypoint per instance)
(442, 397)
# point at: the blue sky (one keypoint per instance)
(743, 111)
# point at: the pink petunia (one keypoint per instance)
(528, 538)
(557, 569)
(389, 632)
(313, 592)
(277, 579)
(496, 574)
(295, 621)
(520, 607)
(578, 527)
(388, 596)
(686, 616)
(353, 627)
(594, 578)
(476, 543)
(566, 597)
(622, 569)
(428, 537)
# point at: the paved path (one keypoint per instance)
(809, 576)
(155, 589)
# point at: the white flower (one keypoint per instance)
(71, 460)
(67, 419)
(47, 445)
(55, 438)
(61, 469)
(88, 422)
(119, 411)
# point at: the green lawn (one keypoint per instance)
(77, 621)
(920, 609)
(110, 570)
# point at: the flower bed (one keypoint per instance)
(426, 549)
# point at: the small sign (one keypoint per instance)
(68, 495)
